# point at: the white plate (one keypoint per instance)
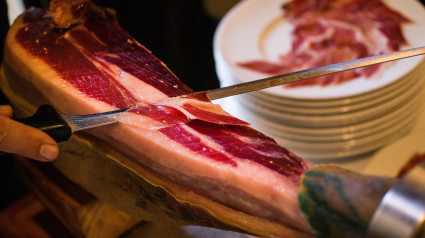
(227, 78)
(237, 35)
(348, 135)
(322, 107)
(346, 105)
(232, 105)
(347, 149)
(329, 139)
(334, 120)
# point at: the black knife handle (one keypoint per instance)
(49, 120)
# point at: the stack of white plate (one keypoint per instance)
(316, 122)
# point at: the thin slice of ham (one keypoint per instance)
(199, 165)
(332, 31)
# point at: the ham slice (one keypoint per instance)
(328, 31)
(196, 163)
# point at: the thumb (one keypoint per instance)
(24, 140)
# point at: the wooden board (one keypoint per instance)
(80, 212)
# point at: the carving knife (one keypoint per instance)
(311, 73)
(60, 127)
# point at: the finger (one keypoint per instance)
(24, 140)
(6, 110)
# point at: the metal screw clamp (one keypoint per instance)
(401, 213)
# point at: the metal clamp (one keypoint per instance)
(401, 213)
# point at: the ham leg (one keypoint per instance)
(193, 162)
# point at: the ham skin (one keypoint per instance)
(180, 160)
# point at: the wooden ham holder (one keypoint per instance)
(80, 212)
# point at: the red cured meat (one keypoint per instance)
(332, 31)
(212, 117)
(83, 62)
(181, 135)
(258, 148)
(165, 114)
(63, 54)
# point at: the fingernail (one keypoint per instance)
(49, 152)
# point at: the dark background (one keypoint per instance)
(178, 32)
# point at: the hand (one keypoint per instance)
(21, 139)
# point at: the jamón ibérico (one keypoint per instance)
(332, 31)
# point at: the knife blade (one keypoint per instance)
(310, 73)
(60, 127)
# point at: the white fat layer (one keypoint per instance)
(261, 183)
